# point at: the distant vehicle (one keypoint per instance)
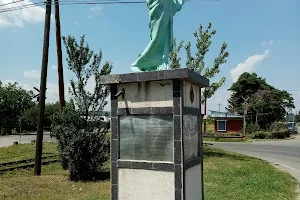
(292, 127)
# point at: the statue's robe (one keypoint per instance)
(156, 54)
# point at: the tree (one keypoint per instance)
(29, 116)
(297, 118)
(13, 101)
(82, 139)
(29, 119)
(197, 62)
(174, 58)
(267, 104)
(79, 56)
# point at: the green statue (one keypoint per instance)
(156, 55)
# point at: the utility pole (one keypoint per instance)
(219, 107)
(245, 105)
(204, 125)
(42, 95)
(61, 89)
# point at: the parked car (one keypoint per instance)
(292, 127)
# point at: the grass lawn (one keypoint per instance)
(25, 151)
(227, 140)
(227, 176)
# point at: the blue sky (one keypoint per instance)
(262, 37)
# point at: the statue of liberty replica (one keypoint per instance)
(156, 55)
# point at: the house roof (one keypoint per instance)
(217, 114)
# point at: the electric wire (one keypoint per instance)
(73, 2)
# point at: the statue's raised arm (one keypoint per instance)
(156, 54)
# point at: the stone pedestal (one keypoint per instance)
(156, 140)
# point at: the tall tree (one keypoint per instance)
(197, 62)
(80, 63)
(266, 103)
(13, 101)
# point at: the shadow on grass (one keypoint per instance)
(102, 176)
(96, 177)
(214, 152)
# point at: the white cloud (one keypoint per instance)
(53, 67)
(271, 42)
(24, 85)
(76, 23)
(18, 18)
(32, 74)
(248, 65)
(94, 11)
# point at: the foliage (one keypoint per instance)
(266, 103)
(275, 134)
(251, 128)
(30, 116)
(259, 135)
(83, 144)
(276, 126)
(280, 134)
(79, 57)
(174, 58)
(83, 148)
(297, 118)
(210, 119)
(197, 62)
(13, 101)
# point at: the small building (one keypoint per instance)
(225, 122)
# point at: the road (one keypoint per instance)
(8, 140)
(285, 154)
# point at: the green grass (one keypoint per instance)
(237, 177)
(25, 151)
(227, 176)
(227, 140)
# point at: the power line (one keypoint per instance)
(73, 2)
(21, 7)
(11, 3)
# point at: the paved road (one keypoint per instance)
(8, 140)
(284, 153)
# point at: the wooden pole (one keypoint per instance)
(244, 123)
(245, 105)
(61, 89)
(43, 83)
(204, 125)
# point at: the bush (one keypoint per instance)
(260, 135)
(83, 148)
(280, 134)
(210, 133)
(233, 134)
(276, 126)
(252, 128)
(210, 120)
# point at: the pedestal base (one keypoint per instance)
(156, 140)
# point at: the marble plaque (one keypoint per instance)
(146, 137)
(190, 136)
